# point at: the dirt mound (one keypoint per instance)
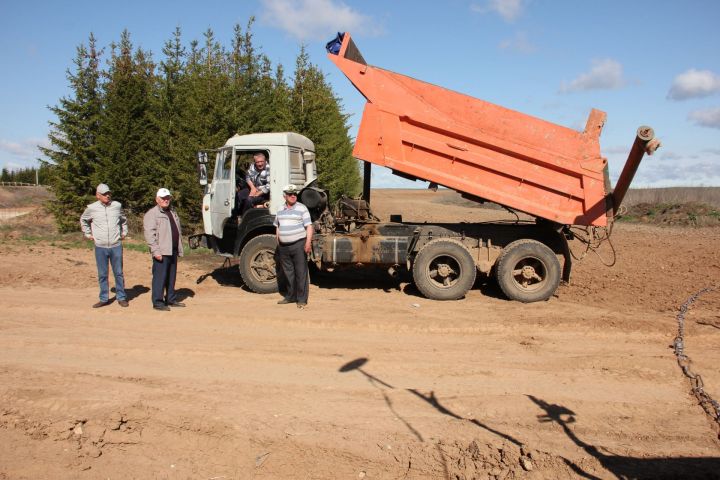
(676, 214)
(14, 197)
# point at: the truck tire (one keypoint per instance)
(528, 271)
(444, 270)
(257, 264)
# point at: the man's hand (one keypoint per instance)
(308, 247)
(89, 237)
(158, 258)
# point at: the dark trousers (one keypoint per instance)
(163, 281)
(295, 269)
(244, 202)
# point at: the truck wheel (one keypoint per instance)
(444, 270)
(257, 264)
(528, 271)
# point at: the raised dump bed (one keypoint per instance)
(480, 149)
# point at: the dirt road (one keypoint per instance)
(371, 381)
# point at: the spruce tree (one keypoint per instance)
(128, 141)
(174, 124)
(272, 99)
(208, 108)
(72, 154)
(244, 71)
(318, 115)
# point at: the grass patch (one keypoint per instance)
(691, 214)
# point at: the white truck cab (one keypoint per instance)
(291, 158)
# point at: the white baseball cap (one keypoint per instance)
(163, 192)
(102, 188)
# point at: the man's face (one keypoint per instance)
(105, 198)
(260, 161)
(290, 198)
(163, 202)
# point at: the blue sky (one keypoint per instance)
(643, 62)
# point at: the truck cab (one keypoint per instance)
(291, 159)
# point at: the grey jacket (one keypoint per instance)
(158, 233)
(107, 224)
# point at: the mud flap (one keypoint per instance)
(198, 240)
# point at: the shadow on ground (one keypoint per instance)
(623, 467)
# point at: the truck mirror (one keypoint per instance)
(309, 157)
(202, 173)
(202, 158)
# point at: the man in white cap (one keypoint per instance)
(294, 232)
(104, 222)
(164, 237)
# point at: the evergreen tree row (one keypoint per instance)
(26, 175)
(136, 124)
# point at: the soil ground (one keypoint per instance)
(371, 380)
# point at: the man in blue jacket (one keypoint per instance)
(104, 222)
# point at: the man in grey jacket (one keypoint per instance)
(164, 237)
(104, 222)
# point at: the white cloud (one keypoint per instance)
(509, 10)
(316, 19)
(671, 169)
(668, 155)
(694, 84)
(605, 74)
(706, 118)
(519, 43)
(23, 153)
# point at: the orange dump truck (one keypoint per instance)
(483, 150)
(422, 131)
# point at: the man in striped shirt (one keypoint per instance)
(294, 233)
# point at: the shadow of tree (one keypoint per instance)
(631, 467)
(621, 466)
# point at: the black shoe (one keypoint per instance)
(285, 301)
(123, 303)
(163, 308)
(301, 305)
(176, 304)
(101, 304)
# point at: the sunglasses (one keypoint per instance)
(291, 194)
(106, 194)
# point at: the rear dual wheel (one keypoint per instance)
(528, 271)
(444, 270)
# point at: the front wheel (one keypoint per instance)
(528, 271)
(444, 270)
(257, 264)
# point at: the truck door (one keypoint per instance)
(222, 193)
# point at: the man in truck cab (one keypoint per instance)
(258, 183)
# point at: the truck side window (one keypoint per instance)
(225, 164)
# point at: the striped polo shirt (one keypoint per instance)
(291, 222)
